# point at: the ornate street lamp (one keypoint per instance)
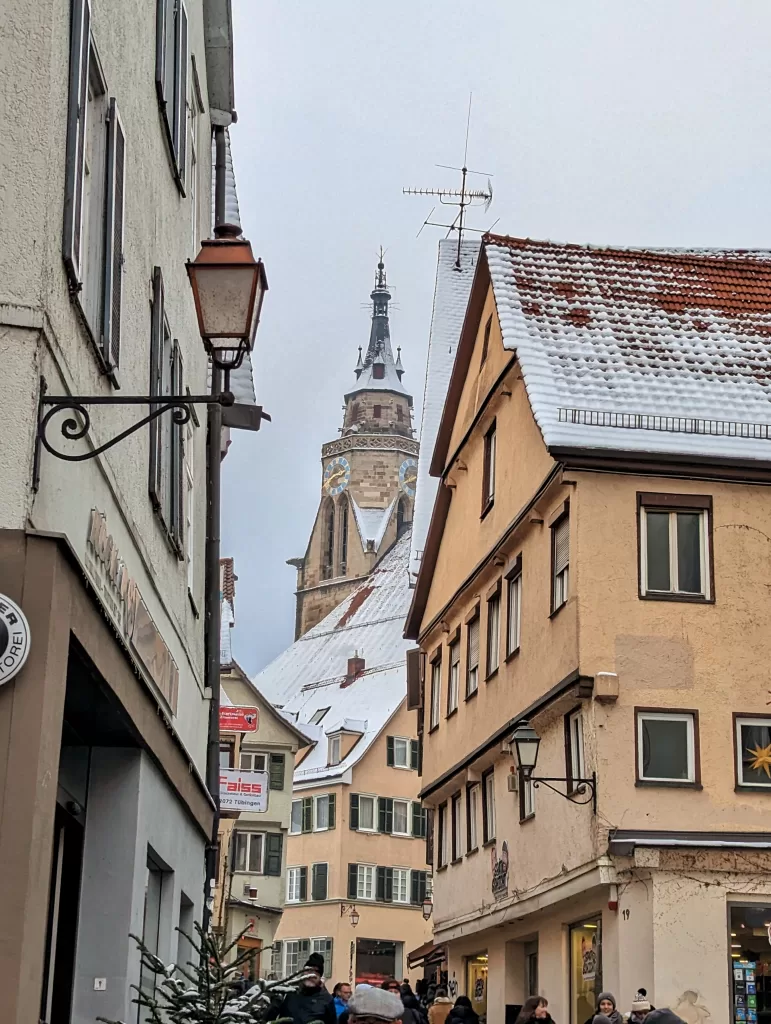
(349, 910)
(526, 742)
(428, 908)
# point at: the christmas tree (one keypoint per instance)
(205, 991)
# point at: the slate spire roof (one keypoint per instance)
(378, 371)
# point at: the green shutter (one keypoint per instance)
(303, 884)
(277, 762)
(414, 755)
(380, 883)
(418, 820)
(319, 882)
(385, 816)
(274, 846)
(353, 881)
(307, 821)
(353, 816)
(332, 810)
(390, 760)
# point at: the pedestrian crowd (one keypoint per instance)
(394, 1001)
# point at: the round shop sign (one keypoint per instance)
(14, 639)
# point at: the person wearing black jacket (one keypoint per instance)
(310, 1002)
(462, 1012)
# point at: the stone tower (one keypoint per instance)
(367, 476)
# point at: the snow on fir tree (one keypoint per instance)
(204, 992)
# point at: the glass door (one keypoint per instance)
(585, 969)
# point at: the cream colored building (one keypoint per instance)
(356, 871)
(597, 565)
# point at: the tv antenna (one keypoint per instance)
(463, 197)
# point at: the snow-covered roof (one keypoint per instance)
(640, 350)
(378, 371)
(451, 293)
(312, 673)
(372, 523)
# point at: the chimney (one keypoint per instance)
(355, 668)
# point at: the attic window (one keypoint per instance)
(486, 339)
(377, 411)
(317, 716)
(378, 371)
(334, 750)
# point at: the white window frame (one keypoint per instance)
(472, 810)
(319, 945)
(513, 614)
(189, 464)
(456, 824)
(472, 671)
(316, 800)
(407, 812)
(528, 799)
(250, 838)
(436, 693)
(292, 830)
(373, 800)
(443, 835)
(401, 875)
(317, 716)
(453, 681)
(576, 745)
(249, 756)
(667, 716)
(291, 950)
(560, 578)
(407, 752)
(335, 749)
(93, 210)
(750, 721)
(293, 876)
(493, 637)
(365, 881)
(488, 795)
(704, 566)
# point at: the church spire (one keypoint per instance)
(378, 371)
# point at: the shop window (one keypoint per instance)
(377, 959)
(476, 983)
(453, 682)
(585, 969)
(156, 882)
(667, 742)
(753, 752)
(436, 692)
(674, 546)
(750, 956)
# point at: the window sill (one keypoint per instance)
(491, 676)
(402, 767)
(667, 784)
(441, 867)
(470, 696)
(678, 598)
(453, 712)
(457, 860)
(470, 853)
(512, 655)
(555, 611)
(487, 508)
(527, 817)
(193, 605)
(488, 842)
(433, 728)
(749, 787)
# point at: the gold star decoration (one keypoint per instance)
(761, 759)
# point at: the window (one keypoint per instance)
(443, 855)
(319, 877)
(488, 806)
(252, 762)
(436, 692)
(364, 882)
(401, 887)
(296, 885)
(295, 825)
(456, 827)
(401, 820)
(247, 854)
(674, 546)
(325, 812)
(513, 607)
(472, 666)
(526, 799)
(151, 927)
(324, 947)
(344, 537)
(486, 340)
(574, 748)
(226, 755)
(189, 503)
(171, 59)
(488, 474)
(276, 769)
(362, 813)
(560, 558)
(377, 412)
(195, 110)
(493, 631)
(400, 752)
(307, 813)
(666, 746)
(92, 237)
(399, 413)
(753, 752)
(167, 454)
(317, 716)
(327, 568)
(453, 683)
(378, 371)
(334, 750)
(472, 812)
(292, 957)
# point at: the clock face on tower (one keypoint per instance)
(336, 476)
(408, 476)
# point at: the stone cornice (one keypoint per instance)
(370, 442)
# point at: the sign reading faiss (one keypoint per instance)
(234, 719)
(243, 791)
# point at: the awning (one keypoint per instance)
(426, 954)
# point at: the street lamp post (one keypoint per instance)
(527, 743)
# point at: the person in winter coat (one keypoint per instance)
(462, 1012)
(440, 1008)
(411, 1015)
(310, 1002)
(412, 1006)
(663, 1017)
(641, 1007)
(535, 1008)
(600, 1018)
(606, 1003)
(341, 993)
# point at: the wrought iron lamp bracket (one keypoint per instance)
(580, 787)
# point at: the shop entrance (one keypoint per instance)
(750, 947)
(476, 984)
(585, 969)
(378, 959)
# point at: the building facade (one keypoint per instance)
(104, 815)
(595, 567)
(356, 872)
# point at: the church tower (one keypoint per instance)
(368, 476)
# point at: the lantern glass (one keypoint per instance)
(228, 288)
(354, 917)
(428, 907)
(527, 742)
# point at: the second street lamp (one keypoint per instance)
(527, 742)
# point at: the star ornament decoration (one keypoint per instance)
(761, 759)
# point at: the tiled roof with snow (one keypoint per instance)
(677, 339)
(372, 523)
(451, 293)
(311, 674)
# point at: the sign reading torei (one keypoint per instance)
(14, 639)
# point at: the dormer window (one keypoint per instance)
(334, 749)
(378, 371)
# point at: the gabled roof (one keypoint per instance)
(372, 523)
(303, 736)
(311, 674)
(451, 294)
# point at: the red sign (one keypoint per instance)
(234, 719)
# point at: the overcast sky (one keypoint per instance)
(634, 122)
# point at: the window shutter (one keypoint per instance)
(473, 643)
(274, 848)
(303, 884)
(180, 92)
(162, 28)
(113, 235)
(156, 384)
(418, 820)
(353, 816)
(353, 881)
(385, 816)
(380, 884)
(430, 836)
(276, 958)
(307, 819)
(422, 885)
(80, 43)
(332, 810)
(319, 882)
(561, 545)
(414, 887)
(178, 459)
(277, 762)
(414, 754)
(413, 679)
(389, 885)
(390, 751)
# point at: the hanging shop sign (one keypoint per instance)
(243, 791)
(237, 719)
(122, 598)
(14, 639)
